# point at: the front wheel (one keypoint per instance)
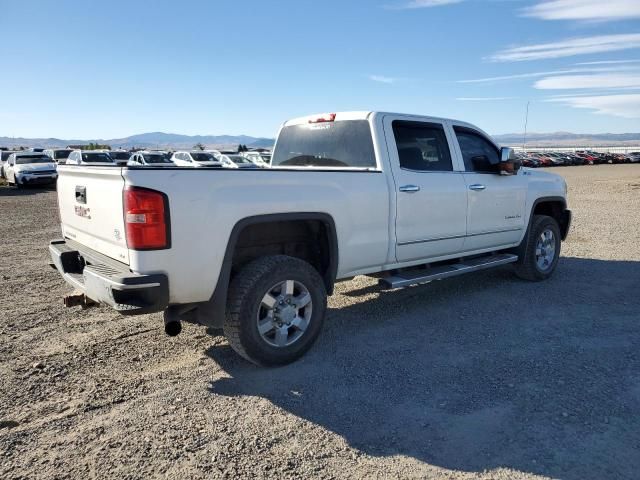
(275, 310)
(539, 251)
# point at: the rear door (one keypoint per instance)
(496, 203)
(431, 195)
(90, 202)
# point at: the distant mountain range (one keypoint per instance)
(560, 139)
(177, 141)
(147, 140)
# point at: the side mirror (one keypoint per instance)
(509, 163)
(507, 154)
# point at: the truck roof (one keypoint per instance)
(364, 115)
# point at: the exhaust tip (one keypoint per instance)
(173, 328)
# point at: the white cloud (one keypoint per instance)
(608, 62)
(569, 47)
(544, 74)
(382, 79)
(429, 3)
(591, 10)
(574, 82)
(627, 106)
(483, 99)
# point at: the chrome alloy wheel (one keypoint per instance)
(545, 250)
(284, 313)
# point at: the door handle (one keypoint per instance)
(409, 188)
(477, 187)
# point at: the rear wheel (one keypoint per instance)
(539, 252)
(275, 310)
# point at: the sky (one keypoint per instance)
(109, 69)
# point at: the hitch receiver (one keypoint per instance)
(78, 300)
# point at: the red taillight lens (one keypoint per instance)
(146, 218)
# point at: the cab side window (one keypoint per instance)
(478, 153)
(422, 146)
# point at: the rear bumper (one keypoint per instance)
(114, 285)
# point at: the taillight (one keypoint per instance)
(146, 219)
(329, 117)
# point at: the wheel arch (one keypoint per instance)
(212, 312)
(555, 207)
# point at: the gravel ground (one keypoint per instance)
(483, 376)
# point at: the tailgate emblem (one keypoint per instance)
(83, 211)
(81, 194)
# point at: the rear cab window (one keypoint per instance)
(336, 144)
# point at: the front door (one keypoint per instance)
(431, 195)
(496, 203)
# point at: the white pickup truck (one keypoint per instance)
(403, 198)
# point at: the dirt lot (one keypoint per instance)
(483, 376)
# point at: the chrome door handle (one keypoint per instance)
(409, 188)
(477, 187)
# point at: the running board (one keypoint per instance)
(413, 277)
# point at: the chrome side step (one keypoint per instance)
(413, 277)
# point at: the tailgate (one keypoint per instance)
(90, 203)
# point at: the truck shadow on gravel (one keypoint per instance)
(476, 373)
(6, 191)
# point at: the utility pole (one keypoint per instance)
(526, 121)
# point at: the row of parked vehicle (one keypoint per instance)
(39, 166)
(581, 157)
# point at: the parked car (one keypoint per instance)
(260, 159)
(634, 157)
(4, 156)
(588, 159)
(146, 158)
(195, 158)
(257, 251)
(58, 155)
(120, 157)
(30, 168)
(240, 161)
(223, 159)
(90, 157)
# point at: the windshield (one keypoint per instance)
(25, 159)
(156, 158)
(331, 144)
(203, 157)
(61, 154)
(120, 155)
(96, 157)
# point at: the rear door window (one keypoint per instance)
(422, 146)
(342, 144)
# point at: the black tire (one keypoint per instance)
(244, 302)
(527, 266)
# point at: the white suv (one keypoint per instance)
(90, 157)
(58, 155)
(195, 158)
(30, 168)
